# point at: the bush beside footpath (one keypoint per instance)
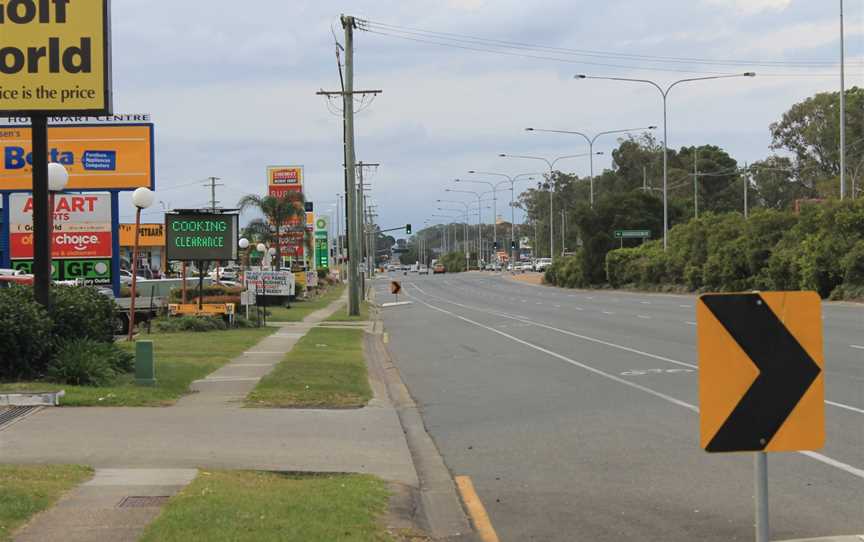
(38, 342)
(820, 249)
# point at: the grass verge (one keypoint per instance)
(266, 506)
(180, 359)
(30, 489)
(341, 315)
(325, 369)
(301, 309)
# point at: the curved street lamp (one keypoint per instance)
(590, 141)
(664, 93)
(551, 164)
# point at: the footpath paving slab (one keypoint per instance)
(116, 505)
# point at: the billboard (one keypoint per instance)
(82, 226)
(149, 235)
(322, 243)
(270, 282)
(56, 56)
(97, 156)
(281, 180)
(201, 236)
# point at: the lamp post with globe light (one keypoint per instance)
(58, 177)
(142, 198)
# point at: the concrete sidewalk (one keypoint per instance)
(134, 448)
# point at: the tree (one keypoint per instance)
(810, 130)
(279, 212)
(775, 184)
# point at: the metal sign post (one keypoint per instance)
(761, 479)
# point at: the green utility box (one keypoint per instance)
(145, 364)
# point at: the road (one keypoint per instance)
(575, 414)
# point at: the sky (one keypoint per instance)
(231, 86)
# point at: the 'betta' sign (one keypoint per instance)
(201, 236)
(55, 56)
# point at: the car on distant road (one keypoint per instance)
(423, 270)
(439, 269)
(542, 264)
(20, 279)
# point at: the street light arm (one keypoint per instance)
(587, 139)
(655, 85)
(608, 132)
(745, 74)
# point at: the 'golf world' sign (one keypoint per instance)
(55, 56)
(201, 236)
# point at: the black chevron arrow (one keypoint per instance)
(786, 371)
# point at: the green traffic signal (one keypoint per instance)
(408, 229)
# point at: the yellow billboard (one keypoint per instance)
(149, 235)
(281, 179)
(97, 157)
(56, 56)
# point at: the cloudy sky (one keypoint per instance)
(231, 85)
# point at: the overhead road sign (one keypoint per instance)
(761, 383)
(632, 234)
(55, 57)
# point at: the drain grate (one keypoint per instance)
(10, 414)
(136, 501)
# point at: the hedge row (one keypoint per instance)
(820, 249)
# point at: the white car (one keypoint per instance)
(542, 264)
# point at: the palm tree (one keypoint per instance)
(278, 211)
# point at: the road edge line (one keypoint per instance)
(438, 505)
(476, 510)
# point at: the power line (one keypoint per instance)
(464, 38)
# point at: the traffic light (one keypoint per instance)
(495, 245)
(408, 229)
(512, 245)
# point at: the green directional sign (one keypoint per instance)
(322, 244)
(632, 234)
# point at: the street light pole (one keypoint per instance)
(512, 180)
(467, 219)
(494, 206)
(479, 223)
(551, 164)
(664, 94)
(590, 141)
(842, 110)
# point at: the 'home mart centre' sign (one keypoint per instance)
(201, 236)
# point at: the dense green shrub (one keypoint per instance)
(25, 334)
(821, 249)
(453, 262)
(175, 324)
(567, 272)
(81, 312)
(85, 362)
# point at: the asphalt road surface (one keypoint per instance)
(575, 414)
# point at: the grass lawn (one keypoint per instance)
(325, 369)
(266, 506)
(180, 359)
(29, 489)
(301, 309)
(341, 315)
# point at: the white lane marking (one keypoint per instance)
(579, 308)
(813, 455)
(686, 306)
(844, 407)
(858, 346)
(644, 317)
(645, 302)
(690, 323)
(590, 297)
(607, 312)
(557, 306)
(525, 319)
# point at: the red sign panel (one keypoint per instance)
(94, 244)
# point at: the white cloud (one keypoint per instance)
(752, 7)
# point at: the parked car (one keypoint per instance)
(8, 280)
(542, 264)
(423, 270)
